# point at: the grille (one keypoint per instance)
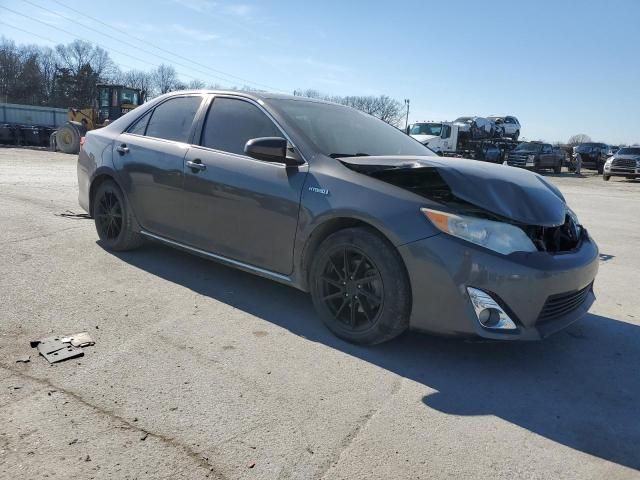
(517, 159)
(624, 163)
(563, 303)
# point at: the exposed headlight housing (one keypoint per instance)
(497, 236)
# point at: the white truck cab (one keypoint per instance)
(440, 137)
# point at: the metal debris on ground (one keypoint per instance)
(58, 348)
(24, 359)
(74, 215)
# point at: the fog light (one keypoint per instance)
(489, 313)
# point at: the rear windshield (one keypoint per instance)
(629, 151)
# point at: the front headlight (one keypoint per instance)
(497, 236)
(531, 161)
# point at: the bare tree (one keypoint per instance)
(139, 79)
(78, 54)
(196, 84)
(165, 79)
(578, 139)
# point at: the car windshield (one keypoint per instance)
(129, 96)
(586, 147)
(529, 147)
(426, 129)
(339, 131)
(629, 151)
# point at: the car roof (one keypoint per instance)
(256, 95)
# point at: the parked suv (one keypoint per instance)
(625, 163)
(384, 234)
(593, 155)
(536, 156)
(509, 125)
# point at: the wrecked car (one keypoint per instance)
(476, 128)
(329, 200)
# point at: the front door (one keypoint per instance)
(236, 206)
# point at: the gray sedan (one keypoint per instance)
(382, 233)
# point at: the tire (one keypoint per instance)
(369, 303)
(113, 219)
(68, 139)
(606, 178)
(516, 136)
(600, 167)
(558, 168)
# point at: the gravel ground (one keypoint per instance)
(201, 371)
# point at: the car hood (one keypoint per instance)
(626, 157)
(509, 192)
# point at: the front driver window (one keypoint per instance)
(232, 122)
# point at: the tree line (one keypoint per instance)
(66, 76)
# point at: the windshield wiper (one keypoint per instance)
(345, 155)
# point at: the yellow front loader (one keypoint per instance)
(113, 101)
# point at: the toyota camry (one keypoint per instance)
(385, 235)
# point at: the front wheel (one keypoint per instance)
(360, 287)
(557, 168)
(600, 168)
(516, 136)
(606, 178)
(113, 219)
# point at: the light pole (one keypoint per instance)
(406, 122)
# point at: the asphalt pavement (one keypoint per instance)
(202, 371)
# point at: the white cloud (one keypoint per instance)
(194, 34)
(239, 9)
(201, 6)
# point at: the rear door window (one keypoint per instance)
(172, 119)
(140, 126)
(232, 122)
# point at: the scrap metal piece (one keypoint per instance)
(82, 339)
(55, 350)
(24, 359)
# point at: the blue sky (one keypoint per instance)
(562, 67)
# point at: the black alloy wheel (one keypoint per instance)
(109, 216)
(352, 288)
(113, 218)
(359, 286)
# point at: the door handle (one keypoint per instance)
(196, 165)
(122, 149)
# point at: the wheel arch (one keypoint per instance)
(330, 226)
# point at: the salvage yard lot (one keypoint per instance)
(201, 371)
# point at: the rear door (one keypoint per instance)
(236, 206)
(150, 162)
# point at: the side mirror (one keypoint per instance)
(271, 149)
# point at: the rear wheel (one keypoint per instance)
(68, 139)
(113, 219)
(558, 168)
(360, 288)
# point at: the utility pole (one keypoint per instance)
(406, 122)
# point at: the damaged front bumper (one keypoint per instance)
(541, 292)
